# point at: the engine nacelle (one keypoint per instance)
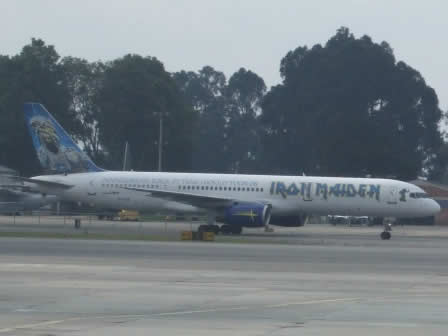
(247, 215)
(288, 221)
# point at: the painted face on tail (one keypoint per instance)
(54, 153)
(47, 135)
(56, 150)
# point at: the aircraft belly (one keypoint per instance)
(347, 207)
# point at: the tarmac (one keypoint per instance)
(315, 280)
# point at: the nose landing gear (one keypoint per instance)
(386, 235)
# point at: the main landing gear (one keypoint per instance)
(224, 229)
(209, 228)
(386, 235)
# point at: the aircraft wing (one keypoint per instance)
(42, 183)
(200, 201)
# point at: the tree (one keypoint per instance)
(135, 91)
(84, 81)
(348, 108)
(204, 91)
(244, 94)
(33, 75)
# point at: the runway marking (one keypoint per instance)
(176, 313)
(186, 312)
(36, 325)
(211, 310)
(311, 302)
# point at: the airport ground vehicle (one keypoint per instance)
(129, 215)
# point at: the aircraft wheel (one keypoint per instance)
(236, 230)
(385, 235)
(210, 228)
(225, 229)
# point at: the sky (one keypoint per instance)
(229, 34)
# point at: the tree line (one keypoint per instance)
(346, 108)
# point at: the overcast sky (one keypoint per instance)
(229, 34)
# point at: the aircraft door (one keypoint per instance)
(91, 193)
(308, 192)
(392, 195)
(91, 189)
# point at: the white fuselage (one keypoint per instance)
(288, 195)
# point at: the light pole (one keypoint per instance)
(125, 160)
(160, 141)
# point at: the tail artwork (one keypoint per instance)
(56, 151)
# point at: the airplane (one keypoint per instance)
(235, 201)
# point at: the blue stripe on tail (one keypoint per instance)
(55, 149)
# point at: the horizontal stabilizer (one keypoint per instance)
(46, 184)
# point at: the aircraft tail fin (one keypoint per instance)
(56, 150)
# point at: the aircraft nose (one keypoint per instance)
(434, 207)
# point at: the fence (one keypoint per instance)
(89, 223)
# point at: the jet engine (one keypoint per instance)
(247, 215)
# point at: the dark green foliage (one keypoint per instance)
(244, 95)
(347, 108)
(33, 75)
(204, 92)
(135, 90)
(84, 80)
(227, 137)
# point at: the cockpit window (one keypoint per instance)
(418, 195)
